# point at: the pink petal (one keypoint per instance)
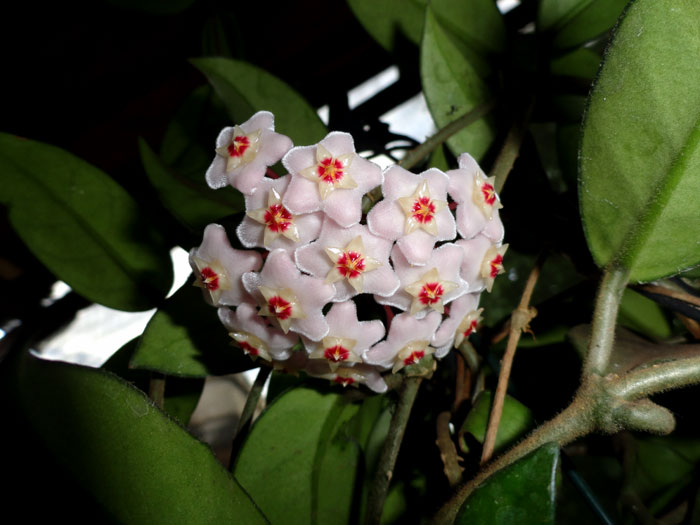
(444, 337)
(474, 251)
(246, 319)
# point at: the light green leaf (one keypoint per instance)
(141, 466)
(299, 461)
(390, 20)
(246, 89)
(83, 226)
(516, 419)
(478, 24)
(643, 315)
(194, 205)
(524, 492)
(452, 88)
(640, 152)
(575, 22)
(186, 339)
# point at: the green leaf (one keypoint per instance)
(83, 226)
(524, 492)
(389, 20)
(575, 22)
(640, 152)
(299, 461)
(643, 315)
(181, 394)
(478, 24)
(186, 339)
(452, 88)
(194, 205)
(516, 419)
(141, 466)
(581, 63)
(246, 89)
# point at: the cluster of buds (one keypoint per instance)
(423, 253)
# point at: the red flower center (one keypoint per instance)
(248, 349)
(345, 381)
(238, 146)
(489, 193)
(431, 293)
(277, 218)
(496, 265)
(280, 308)
(423, 210)
(210, 279)
(470, 329)
(351, 264)
(336, 353)
(414, 358)
(330, 170)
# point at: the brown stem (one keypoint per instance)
(520, 322)
(448, 451)
(675, 294)
(156, 389)
(507, 156)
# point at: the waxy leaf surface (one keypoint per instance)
(640, 151)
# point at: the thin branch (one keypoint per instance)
(604, 320)
(656, 378)
(246, 418)
(385, 467)
(675, 294)
(507, 156)
(417, 154)
(448, 451)
(520, 322)
(156, 389)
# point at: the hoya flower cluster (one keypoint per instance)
(424, 253)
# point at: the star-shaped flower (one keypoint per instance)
(406, 344)
(253, 336)
(352, 258)
(347, 337)
(244, 152)
(218, 267)
(269, 224)
(483, 261)
(292, 300)
(462, 321)
(477, 201)
(331, 177)
(413, 212)
(430, 286)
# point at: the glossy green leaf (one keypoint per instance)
(581, 63)
(246, 89)
(516, 419)
(390, 20)
(83, 226)
(452, 88)
(524, 492)
(640, 152)
(181, 394)
(299, 462)
(186, 339)
(141, 466)
(643, 315)
(194, 205)
(575, 22)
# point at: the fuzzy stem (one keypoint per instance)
(417, 154)
(575, 421)
(507, 156)
(156, 389)
(390, 452)
(251, 403)
(604, 320)
(657, 378)
(520, 322)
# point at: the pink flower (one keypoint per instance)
(406, 344)
(330, 177)
(347, 337)
(463, 321)
(254, 337)
(244, 152)
(291, 300)
(483, 261)
(352, 258)
(414, 212)
(218, 267)
(477, 201)
(349, 376)
(428, 287)
(270, 225)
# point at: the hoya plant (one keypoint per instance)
(495, 324)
